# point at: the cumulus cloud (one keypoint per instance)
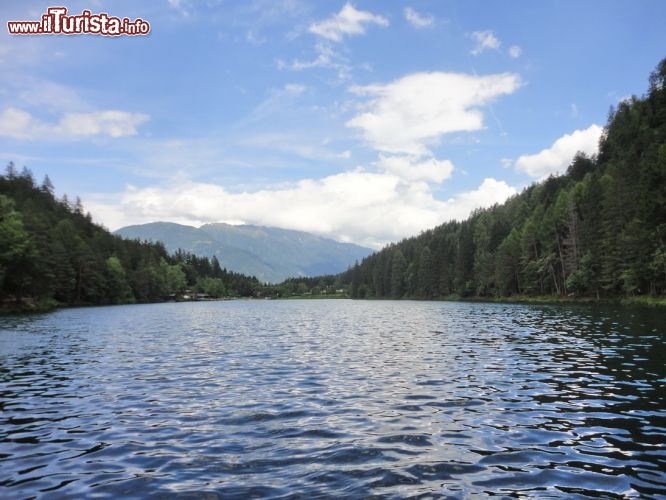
(415, 168)
(348, 22)
(418, 20)
(558, 157)
(410, 114)
(484, 40)
(360, 206)
(490, 192)
(20, 124)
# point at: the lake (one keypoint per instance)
(334, 398)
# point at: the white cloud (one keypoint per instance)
(326, 58)
(558, 157)
(20, 124)
(418, 20)
(367, 208)
(15, 123)
(112, 123)
(484, 40)
(410, 114)
(515, 51)
(348, 22)
(413, 168)
(490, 192)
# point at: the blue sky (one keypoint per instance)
(363, 121)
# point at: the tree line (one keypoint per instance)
(52, 252)
(599, 230)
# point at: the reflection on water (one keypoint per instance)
(333, 398)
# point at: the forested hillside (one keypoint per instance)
(271, 254)
(599, 230)
(51, 252)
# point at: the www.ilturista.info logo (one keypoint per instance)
(56, 22)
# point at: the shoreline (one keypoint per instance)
(43, 307)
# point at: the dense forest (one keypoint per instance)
(53, 253)
(598, 231)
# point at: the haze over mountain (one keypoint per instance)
(271, 254)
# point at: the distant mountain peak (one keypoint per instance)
(271, 254)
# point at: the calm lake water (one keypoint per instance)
(318, 399)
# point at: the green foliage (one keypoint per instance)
(426, 277)
(598, 230)
(320, 286)
(51, 252)
(118, 289)
(214, 287)
(584, 277)
(16, 248)
(398, 269)
(173, 277)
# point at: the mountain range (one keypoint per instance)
(271, 254)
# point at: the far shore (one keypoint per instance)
(29, 306)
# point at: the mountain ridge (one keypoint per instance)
(269, 253)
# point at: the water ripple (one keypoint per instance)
(303, 399)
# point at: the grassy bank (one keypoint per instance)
(644, 300)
